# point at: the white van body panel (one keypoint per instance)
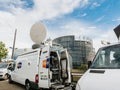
(28, 68)
(3, 72)
(43, 68)
(110, 80)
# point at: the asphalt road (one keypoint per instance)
(4, 85)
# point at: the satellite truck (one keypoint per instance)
(45, 67)
(104, 72)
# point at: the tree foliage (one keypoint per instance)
(3, 50)
(83, 67)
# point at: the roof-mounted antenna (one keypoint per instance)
(117, 32)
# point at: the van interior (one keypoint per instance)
(58, 67)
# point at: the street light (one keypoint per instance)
(14, 44)
(12, 56)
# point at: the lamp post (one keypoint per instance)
(14, 44)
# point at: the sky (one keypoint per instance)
(95, 19)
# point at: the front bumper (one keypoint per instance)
(1, 76)
(78, 87)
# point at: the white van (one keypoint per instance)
(104, 73)
(47, 67)
(3, 70)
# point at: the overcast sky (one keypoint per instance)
(95, 19)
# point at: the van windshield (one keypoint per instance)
(107, 58)
(3, 65)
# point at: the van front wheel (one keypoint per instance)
(28, 86)
(10, 79)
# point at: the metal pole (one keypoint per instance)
(14, 44)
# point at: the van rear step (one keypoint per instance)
(58, 87)
(61, 87)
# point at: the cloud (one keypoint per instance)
(84, 14)
(95, 4)
(22, 19)
(78, 28)
(56, 8)
(108, 36)
(14, 15)
(10, 5)
(100, 18)
(92, 27)
(118, 19)
(84, 29)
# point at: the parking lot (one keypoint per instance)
(4, 85)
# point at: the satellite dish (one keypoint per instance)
(38, 32)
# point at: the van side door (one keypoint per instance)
(44, 68)
(65, 66)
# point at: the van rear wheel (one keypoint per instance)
(28, 86)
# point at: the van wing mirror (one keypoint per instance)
(89, 63)
(10, 68)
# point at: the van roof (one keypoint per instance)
(118, 43)
(32, 51)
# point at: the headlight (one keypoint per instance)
(78, 87)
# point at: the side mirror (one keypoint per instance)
(10, 68)
(89, 63)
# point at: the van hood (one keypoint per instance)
(102, 79)
(3, 69)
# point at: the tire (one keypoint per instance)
(28, 86)
(10, 80)
(6, 76)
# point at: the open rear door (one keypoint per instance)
(44, 68)
(65, 66)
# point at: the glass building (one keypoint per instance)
(81, 50)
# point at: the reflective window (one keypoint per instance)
(107, 58)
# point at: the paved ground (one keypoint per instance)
(4, 85)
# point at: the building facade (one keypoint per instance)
(81, 50)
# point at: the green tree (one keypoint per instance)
(3, 50)
(83, 67)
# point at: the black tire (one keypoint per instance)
(28, 86)
(10, 80)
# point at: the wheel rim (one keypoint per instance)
(5, 77)
(28, 86)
